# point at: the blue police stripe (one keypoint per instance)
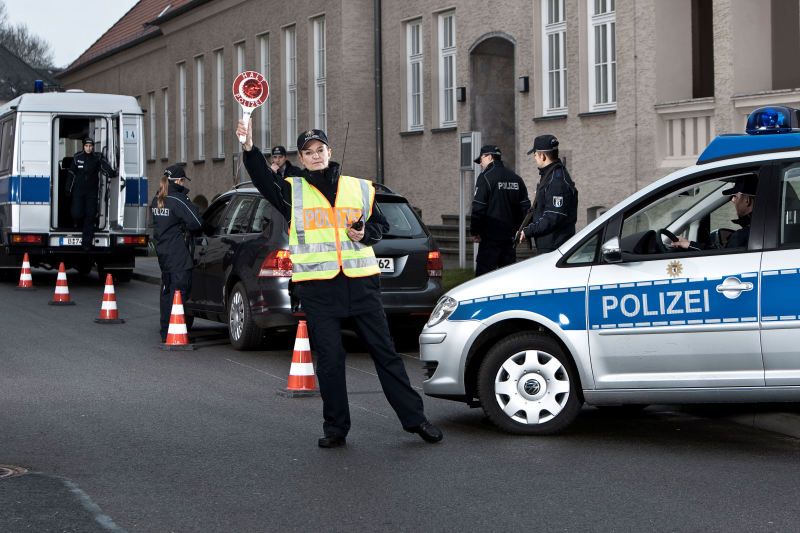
(671, 302)
(25, 190)
(727, 146)
(780, 289)
(565, 306)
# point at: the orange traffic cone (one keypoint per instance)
(25, 279)
(301, 373)
(61, 295)
(177, 334)
(108, 309)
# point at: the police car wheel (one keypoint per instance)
(242, 332)
(527, 385)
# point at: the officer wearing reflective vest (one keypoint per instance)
(332, 224)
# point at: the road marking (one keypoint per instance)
(254, 368)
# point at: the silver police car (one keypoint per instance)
(686, 292)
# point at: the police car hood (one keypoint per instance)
(532, 274)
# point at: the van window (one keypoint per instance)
(6, 146)
(790, 207)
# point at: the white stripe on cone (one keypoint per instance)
(109, 306)
(62, 289)
(109, 289)
(177, 329)
(301, 344)
(301, 369)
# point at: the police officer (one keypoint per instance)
(555, 208)
(174, 219)
(281, 164)
(498, 207)
(336, 276)
(82, 184)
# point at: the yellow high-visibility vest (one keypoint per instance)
(318, 241)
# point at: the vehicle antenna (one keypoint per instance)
(344, 150)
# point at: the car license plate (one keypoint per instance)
(386, 264)
(71, 241)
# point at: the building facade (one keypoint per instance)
(632, 89)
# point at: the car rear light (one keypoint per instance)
(135, 240)
(26, 238)
(435, 264)
(276, 265)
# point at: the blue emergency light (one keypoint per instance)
(773, 119)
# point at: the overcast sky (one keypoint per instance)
(69, 26)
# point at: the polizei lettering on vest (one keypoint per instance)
(160, 211)
(321, 217)
(669, 303)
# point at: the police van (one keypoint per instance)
(39, 134)
(622, 314)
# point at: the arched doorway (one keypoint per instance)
(492, 85)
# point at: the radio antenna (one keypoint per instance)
(344, 150)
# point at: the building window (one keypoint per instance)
(165, 99)
(602, 56)
(239, 50)
(447, 69)
(182, 112)
(200, 112)
(219, 59)
(263, 46)
(289, 36)
(151, 124)
(320, 100)
(414, 75)
(554, 60)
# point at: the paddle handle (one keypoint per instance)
(246, 112)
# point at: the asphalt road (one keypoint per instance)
(119, 435)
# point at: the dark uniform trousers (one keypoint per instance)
(494, 254)
(84, 210)
(326, 334)
(171, 282)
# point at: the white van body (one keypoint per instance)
(619, 316)
(39, 134)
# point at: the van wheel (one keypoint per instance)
(527, 385)
(242, 331)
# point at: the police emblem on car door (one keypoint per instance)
(669, 317)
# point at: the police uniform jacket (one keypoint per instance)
(500, 203)
(340, 296)
(289, 170)
(173, 225)
(83, 173)
(556, 208)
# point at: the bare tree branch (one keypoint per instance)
(31, 48)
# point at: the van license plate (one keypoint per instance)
(71, 241)
(386, 264)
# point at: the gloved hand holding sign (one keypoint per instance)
(251, 90)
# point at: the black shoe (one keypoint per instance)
(331, 441)
(427, 431)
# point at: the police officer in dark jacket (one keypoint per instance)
(174, 220)
(333, 290)
(281, 164)
(498, 207)
(82, 184)
(555, 209)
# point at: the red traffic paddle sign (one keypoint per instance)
(251, 90)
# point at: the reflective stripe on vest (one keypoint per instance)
(318, 240)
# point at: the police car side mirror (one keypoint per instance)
(611, 251)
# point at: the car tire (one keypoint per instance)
(242, 332)
(527, 385)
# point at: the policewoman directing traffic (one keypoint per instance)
(174, 219)
(332, 227)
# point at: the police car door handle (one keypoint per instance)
(732, 287)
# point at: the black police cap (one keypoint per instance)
(544, 143)
(491, 149)
(176, 172)
(278, 150)
(746, 185)
(311, 135)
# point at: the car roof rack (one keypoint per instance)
(242, 184)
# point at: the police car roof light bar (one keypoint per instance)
(773, 119)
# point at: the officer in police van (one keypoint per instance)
(336, 276)
(281, 164)
(498, 207)
(743, 196)
(83, 182)
(555, 207)
(174, 219)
